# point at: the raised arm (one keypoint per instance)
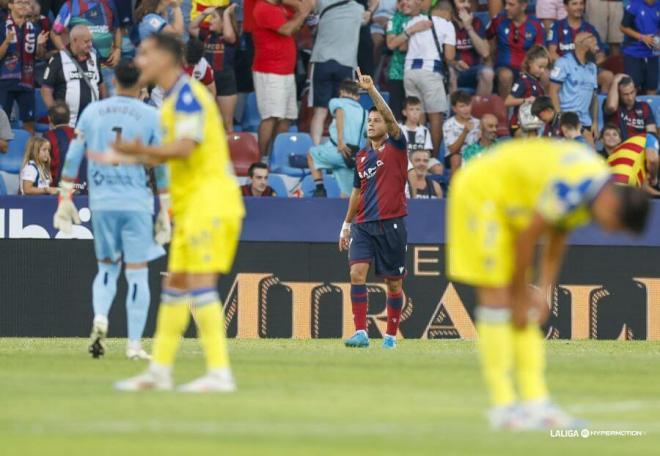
(366, 83)
(228, 32)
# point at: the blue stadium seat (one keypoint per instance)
(307, 186)
(278, 185)
(365, 99)
(12, 160)
(3, 187)
(286, 145)
(251, 117)
(654, 102)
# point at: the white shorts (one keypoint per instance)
(429, 87)
(551, 9)
(276, 95)
(606, 16)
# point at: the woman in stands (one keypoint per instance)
(35, 172)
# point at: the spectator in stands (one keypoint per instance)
(59, 136)
(6, 134)
(571, 127)
(35, 171)
(220, 42)
(334, 56)
(418, 137)
(365, 45)
(258, 181)
(622, 109)
(397, 42)
(274, 65)
(21, 42)
(543, 108)
(101, 17)
(574, 82)
(420, 184)
(460, 130)
(64, 81)
(472, 50)
(430, 52)
(346, 135)
(197, 66)
(151, 17)
(549, 11)
(606, 16)
(512, 34)
(561, 39)
(487, 138)
(379, 21)
(528, 87)
(610, 139)
(641, 27)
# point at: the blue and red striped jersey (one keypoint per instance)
(631, 121)
(525, 87)
(563, 35)
(512, 41)
(553, 130)
(59, 139)
(381, 177)
(218, 53)
(465, 50)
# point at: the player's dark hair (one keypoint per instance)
(373, 109)
(127, 74)
(625, 81)
(59, 113)
(350, 87)
(540, 104)
(460, 96)
(411, 101)
(610, 126)
(256, 165)
(569, 120)
(634, 208)
(170, 43)
(194, 51)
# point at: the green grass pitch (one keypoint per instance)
(317, 398)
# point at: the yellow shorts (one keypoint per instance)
(203, 243)
(480, 243)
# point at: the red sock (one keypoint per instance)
(394, 305)
(360, 302)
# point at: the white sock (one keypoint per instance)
(159, 370)
(101, 321)
(134, 345)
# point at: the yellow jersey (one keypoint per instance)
(628, 161)
(203, 181)
(557, 179)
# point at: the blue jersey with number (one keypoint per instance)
(122, 187)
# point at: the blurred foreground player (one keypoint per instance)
(207, 210)
(122, 205)
(500, 206)
(377, 207)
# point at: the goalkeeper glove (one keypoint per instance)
(163, 227)
(66, 214)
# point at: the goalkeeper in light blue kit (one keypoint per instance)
(122, 205)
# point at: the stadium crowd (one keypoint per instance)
(460, 76)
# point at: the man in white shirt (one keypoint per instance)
(425, 64)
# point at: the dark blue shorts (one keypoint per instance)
(643, 71)
(384, 243)
(10, 92)
(326, 77)
(470, 77)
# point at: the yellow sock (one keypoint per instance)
(207, 312)
(529, 352)
(173, 319)
(496, 353)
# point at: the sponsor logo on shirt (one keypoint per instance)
(370, 172)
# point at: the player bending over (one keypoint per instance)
(377, 207)
(122, 205)
(207, 209)
(500, 206)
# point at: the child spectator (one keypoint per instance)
(258, 183)
(461, 130)
(220, 39)
(641, 25)
(346, 134)
(35, 171)
(421, 186)
(197, 66)
(418, 137)
(59, 136)
(543, 108)
(571, 128)
(611, 138)
(528, 86)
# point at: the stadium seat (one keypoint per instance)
(278, 185)
(492, 104)
(286, 145)
(3, 187)
(12, 160)
(251, 117)
(307, 186)
(653, 101)
(244, 151)
(365, 99)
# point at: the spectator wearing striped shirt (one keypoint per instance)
(621, 108)
(59, 136)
